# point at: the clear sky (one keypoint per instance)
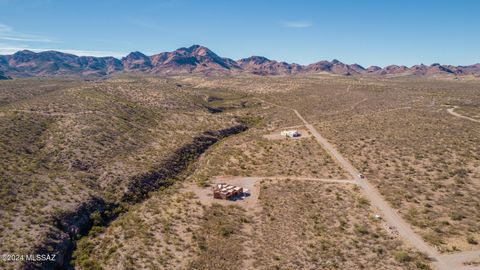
(368, 32)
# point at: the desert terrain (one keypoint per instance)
(118, 173)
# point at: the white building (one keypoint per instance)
(290, 133)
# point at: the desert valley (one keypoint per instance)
(112, 164)
(232, 135)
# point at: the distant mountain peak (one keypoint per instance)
(135, 55)
(136, 61)
(196, 50)
(196, 47)
(193, 59)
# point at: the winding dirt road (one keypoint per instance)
(451, 111)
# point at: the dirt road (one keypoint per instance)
(456, 260)
(390, 215)
(327, 180)
(451, 111)
(453, 261)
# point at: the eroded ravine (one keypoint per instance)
(78, 223)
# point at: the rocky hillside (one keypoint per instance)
(53, 63)
(192, 60)
(3, 76)
(263, 66)
(195, 59)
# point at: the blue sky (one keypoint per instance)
(368, 32)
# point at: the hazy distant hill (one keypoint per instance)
(195, 59)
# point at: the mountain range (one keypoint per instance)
(194, 59)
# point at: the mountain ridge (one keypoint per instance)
(196, 59)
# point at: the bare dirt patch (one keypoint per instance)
(205, 194)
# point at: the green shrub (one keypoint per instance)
(422, 266)
(90, 264)
(361, 229)
(96, 230)
(96, 218)
(83, 255)
(471, 240)
(457, 216)
(402, 256)
(226, 231)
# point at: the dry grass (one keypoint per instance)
(154, 235)
(300, 225)
(168, 231)
(425, 164)
(251, 154)
(397, 131)
(472, 111)
(219, 238)
(63, 142)
(313, 225)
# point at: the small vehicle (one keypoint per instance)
(361, 176)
